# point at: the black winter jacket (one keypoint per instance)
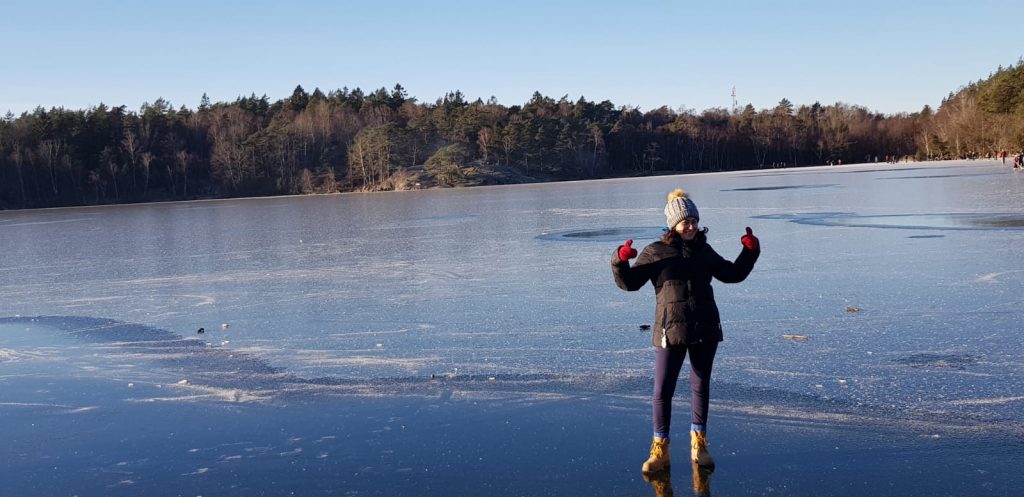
(686, 312)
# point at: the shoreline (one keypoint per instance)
(535, 183)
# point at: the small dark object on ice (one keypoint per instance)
(645, 327)
(201, 330)
(851, 308)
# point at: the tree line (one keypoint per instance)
(979, 120)
(349, 140)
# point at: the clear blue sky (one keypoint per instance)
(889, 56)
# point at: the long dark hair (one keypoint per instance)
(671, 237)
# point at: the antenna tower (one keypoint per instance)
(734, 98)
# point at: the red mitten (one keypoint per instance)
(626, 251)
(750, 241)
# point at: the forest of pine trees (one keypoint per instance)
(348, 140)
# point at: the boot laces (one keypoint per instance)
(658, 449)
(700, 443)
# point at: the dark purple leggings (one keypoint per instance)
(667, 364)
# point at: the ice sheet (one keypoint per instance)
(512, 283)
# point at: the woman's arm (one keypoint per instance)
(734, 271)
(632, 278)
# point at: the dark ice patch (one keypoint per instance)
(170, 357)
(801, 170)
(927, 236)
(893, 169)
(217, 366)
(929, 360)
(603, 234)
(932, 176)
(213, 368)
(952, 221)
(782, 187)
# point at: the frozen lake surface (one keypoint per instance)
(514, 281)
(903, 285)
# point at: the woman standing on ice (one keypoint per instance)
(680, 266)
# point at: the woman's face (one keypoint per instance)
(687, 228)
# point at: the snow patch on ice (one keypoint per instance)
(990, 401)
(207, 393)
(60, 407)
(11, 355)
(994, 277)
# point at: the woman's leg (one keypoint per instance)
(667, 364)
(702, 358)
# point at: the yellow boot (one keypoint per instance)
(659, 460)
(661, 483)
(699, 450)
(701, 484)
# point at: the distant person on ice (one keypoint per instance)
(680, 266)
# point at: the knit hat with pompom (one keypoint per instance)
(679, 207)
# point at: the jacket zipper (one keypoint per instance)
(664, 329)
